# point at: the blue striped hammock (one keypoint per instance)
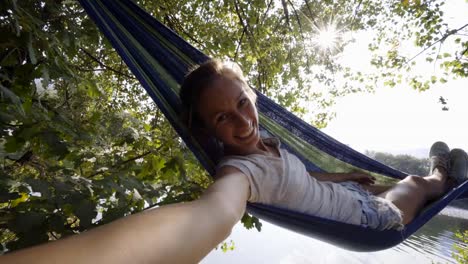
(159, 58)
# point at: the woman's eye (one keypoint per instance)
(242, 101)
(221, 118)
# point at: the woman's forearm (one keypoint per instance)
(332, 177)
(359, 177)
(179, 233)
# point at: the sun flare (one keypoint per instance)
(327, 38)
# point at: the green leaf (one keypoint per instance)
(57, 223)
(85, 211)
(25, 222)
(41, 186)
(7, 93)
(251, 222)
(7, 118)
(24, 197)
(31, 52)
(27, 105)
(45, 77)
(55, 144)
(92, 89)
(34, 236)
(13, 144)
(158, 163)
(5, 197)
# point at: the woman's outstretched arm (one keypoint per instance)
(178, 233)
(359, 177)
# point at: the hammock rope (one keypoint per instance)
(159, 58)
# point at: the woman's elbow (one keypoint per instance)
(230, 210)
(231, 216)
(237, 211)
(229, 196)
(221, 215)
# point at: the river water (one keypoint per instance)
(433, 243)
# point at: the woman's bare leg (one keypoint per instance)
(376, 189)
(413, 192)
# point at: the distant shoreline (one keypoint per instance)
(457, 209)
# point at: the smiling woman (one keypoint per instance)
(234, 121)
(232, 118)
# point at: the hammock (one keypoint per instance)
(159, 58)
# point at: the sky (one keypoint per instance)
(400, 119)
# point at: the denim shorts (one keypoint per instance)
(377, 213)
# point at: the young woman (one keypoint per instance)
(219, 103)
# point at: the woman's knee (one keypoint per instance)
(415, 180)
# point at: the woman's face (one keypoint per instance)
(229, 114)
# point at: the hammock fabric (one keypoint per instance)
(159, 58)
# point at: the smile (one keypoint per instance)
(249, 135)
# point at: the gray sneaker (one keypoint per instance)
(439, 156)
(458, 165)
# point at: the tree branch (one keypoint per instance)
(119, 79)
(355, 13)
(122, 163)
(463, 53)
(239, 44)
(301, 31)
(437, 56)
(451, 32)
(53, 235)
(246, 27)
(311, 14)
(105, 66)
(286, 12)
(264, 15)
(176, 25)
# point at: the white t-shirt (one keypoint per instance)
(284, 182)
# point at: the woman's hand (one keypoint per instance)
(360, 177)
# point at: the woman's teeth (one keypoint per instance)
(247, 135)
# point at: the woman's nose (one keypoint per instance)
(243, 120)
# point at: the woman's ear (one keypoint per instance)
(209, 142)
(202, 134)
(203, 131)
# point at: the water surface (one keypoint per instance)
(433, 243)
